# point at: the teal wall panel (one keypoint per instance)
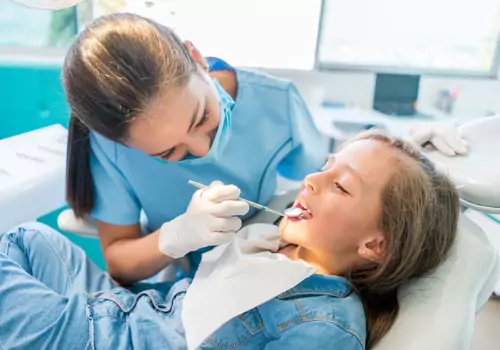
(32, 97)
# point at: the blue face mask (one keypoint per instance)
(221, 137)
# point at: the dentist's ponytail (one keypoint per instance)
(112, 72)
(79, 193)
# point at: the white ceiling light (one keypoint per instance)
(48, 4)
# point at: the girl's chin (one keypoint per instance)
(291, 235)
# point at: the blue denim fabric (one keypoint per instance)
(43, 284)
(50, 299)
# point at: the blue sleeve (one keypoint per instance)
(309, 152)
(114, 199)
(316, 335)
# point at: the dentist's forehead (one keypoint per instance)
(165, 122)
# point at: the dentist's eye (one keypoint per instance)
(166, 155)
(324, 166)
(328, 163)
(204, 119)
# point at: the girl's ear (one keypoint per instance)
(373, 248)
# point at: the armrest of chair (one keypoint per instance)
(69, 223)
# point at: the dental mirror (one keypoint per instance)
(48, 4)
(293, 212)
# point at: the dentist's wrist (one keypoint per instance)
(169, 239)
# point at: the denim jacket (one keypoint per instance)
(321, 312)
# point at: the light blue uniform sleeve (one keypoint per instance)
(309, 152)
(316, 335)
(114, 200)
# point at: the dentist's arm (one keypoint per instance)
(209, 221)
(129, 256)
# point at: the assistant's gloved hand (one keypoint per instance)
(209, 221)
(445, 138)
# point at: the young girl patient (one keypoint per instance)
(377, 215)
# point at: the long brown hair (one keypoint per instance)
(419, 218)
(111, 73)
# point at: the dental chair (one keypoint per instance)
(477, 176)
(437, 312)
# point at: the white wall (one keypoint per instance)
(476, 96)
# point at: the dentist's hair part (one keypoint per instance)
(114, 69)
(419, 219)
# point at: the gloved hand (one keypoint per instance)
(208, 221)
(445, 138)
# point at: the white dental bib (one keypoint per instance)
(237, 277)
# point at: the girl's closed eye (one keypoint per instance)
(339, 187)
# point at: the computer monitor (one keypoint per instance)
(396, 94)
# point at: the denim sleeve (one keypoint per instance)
(308, 150)
(318, 335)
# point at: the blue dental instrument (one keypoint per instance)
(291, 212)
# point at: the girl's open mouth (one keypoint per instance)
(306, 213)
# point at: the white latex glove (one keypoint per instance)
(209, 221)
(445, 138)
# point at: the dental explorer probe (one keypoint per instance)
(290, 212)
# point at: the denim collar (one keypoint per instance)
(334, 286)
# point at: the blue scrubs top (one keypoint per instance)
(271, 130)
